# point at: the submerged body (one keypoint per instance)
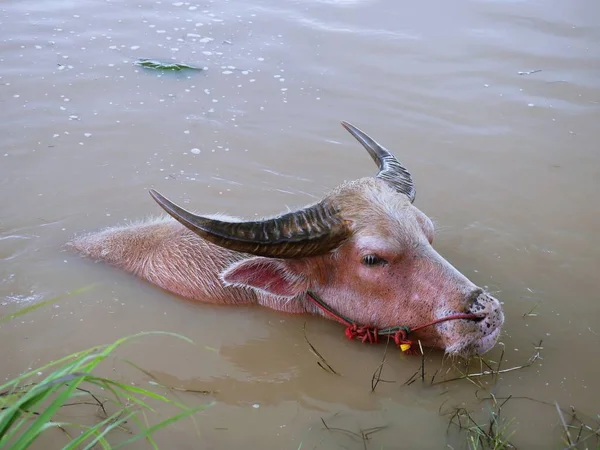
(365, 249)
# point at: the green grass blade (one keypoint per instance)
(20, 312)
(26, 414)
(151, 430)
(33, 432)
(38, 305)
(141, 391)
(115, 424)
(59, 372)
(22, 407)
(77, 356)
(96, 431)
(119, 392)
(25, 406)
(110, 348)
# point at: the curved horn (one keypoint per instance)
(390, 169)
(314, 230)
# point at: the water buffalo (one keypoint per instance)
(364, 250)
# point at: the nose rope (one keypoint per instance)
(370, 334)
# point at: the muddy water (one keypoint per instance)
(494, 106)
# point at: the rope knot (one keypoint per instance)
(401, 337)
(402, 341)
(363, 333)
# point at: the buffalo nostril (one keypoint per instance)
(472, 299)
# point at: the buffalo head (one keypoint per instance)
(365, 249)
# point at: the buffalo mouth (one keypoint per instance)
(476, 318)
(465, 317)
(473, 335)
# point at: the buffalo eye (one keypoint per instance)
(373, 260)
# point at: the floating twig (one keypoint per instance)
(495, 436)
(535, 400)
(484, 373)
(422, 362)
(322, 363)
(564, 424)
(155, 381)
(369, 431)
(531, 313)
(376, 379)
(96, 399)
(341, 430)
(499, 363)
(411, 380)
(364, 436)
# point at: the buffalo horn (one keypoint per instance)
(311, 231)
(390, 169)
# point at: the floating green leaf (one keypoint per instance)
(161, 65)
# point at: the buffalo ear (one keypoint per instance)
(278, 277)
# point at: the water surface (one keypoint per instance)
(493, 106)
